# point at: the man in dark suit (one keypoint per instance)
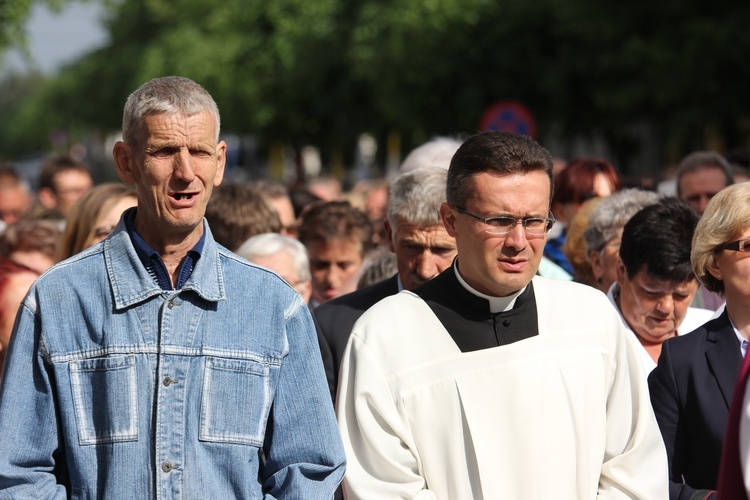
(423, 250)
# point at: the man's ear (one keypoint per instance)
(621, 272)
(448, 215)
(124, 160)
(389, 235)
(221, 160)
(47, 197)
(597, 265)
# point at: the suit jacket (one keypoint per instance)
(335, 319)
(691, 391)
(731, 474)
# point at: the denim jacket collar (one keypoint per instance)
(131, 282)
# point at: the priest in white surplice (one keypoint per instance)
(488, 382)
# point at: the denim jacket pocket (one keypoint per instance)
(105, 399)
(235, 401)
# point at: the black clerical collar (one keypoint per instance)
(447, 289)
(468, 319)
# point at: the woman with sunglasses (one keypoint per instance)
(691, 388)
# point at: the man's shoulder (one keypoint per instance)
(83, 266)
(399, 308)
(237, 266)
(359, 300)
(402, 321)
(570, 293)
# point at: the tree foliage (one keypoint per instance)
(13, 15)
(324, 71)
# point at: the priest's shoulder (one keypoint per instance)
(569, 291)
(395, 312)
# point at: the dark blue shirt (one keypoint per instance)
(151, 259)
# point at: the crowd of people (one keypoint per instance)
(483, 325)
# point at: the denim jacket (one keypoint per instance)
(114, 388)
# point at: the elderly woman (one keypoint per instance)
(283, 255)
(692, 385)
(604, 232)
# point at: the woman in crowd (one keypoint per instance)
(283, 255)
(604, 232)
(94, 217)
(27, 249)
(581, 180)
(692, 385)
(15, 281)
(575, 246)
(31, 243)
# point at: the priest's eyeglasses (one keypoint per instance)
(535, 226)
(737, 246)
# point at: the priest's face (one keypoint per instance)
(499, 265)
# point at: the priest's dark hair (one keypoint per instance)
(500, 153)
(658, 239)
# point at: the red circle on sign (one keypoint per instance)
(509, 116)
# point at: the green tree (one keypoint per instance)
(322, 72)
(13, 15)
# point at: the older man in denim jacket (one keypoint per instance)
(158, 364)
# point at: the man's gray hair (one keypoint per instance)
(698, 160)
(416, 196)
(268, 244)
(606, 220)
(435, 153)
(168, 95)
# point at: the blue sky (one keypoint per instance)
(58, 38)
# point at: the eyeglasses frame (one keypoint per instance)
(550, 221)
(737, 246)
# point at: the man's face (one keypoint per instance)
(653, 308)
(174, 173)
(334, 266)
(698, 187)
(69, 186)
(283, 207)
(499, 265)
(421, 253)
(14, 203)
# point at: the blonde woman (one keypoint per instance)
(692, 385)
(94, 217)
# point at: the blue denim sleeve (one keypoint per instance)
(29, 440)
(304, 452)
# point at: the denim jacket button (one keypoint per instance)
(166, 467)
(167, 381)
